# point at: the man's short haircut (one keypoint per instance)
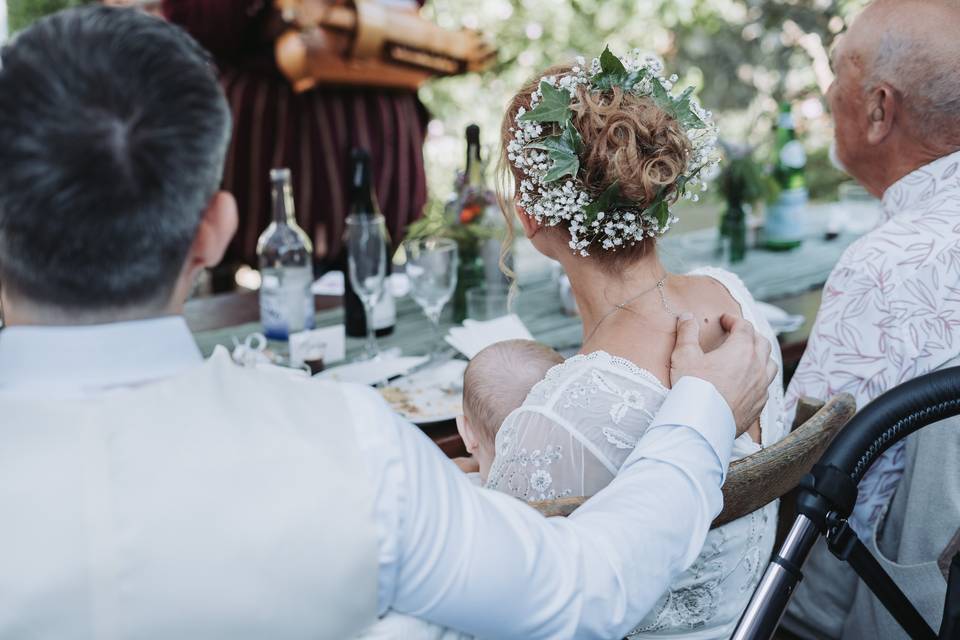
(498, 379)
(113, 133)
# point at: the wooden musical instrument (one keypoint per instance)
(371, 43)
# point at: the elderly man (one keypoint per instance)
(891, 308)
(145, 493)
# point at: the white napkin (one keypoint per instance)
(331, 283)
(329, 342)
(475, 335)
(780, 321)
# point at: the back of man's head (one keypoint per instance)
(113, 132)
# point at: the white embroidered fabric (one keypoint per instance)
(578, 426)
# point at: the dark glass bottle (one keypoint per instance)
(363, 201)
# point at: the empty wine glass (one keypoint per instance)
(432, 270)
(367, 263)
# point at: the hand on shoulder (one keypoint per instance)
(740, 369)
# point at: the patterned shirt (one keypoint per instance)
(890, 311)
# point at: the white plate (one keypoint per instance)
(372, 371)
(431, 395)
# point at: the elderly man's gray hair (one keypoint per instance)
(925, 69)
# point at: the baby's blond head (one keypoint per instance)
(496, 382)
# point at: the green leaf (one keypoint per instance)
(683, 112)
(610, 63)
(659, 210)
(571, 138)
(563, 150)
(554, 106)
(606, 202)
(612, 72)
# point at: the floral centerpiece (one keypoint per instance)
(462, 219)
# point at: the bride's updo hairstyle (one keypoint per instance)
(634, 159)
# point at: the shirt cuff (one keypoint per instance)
(695, 403)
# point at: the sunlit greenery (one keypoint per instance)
(744, 56)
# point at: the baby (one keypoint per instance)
(496, 382)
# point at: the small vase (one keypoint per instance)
(735, 232)
(470, 274)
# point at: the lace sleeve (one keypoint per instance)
(539, 459)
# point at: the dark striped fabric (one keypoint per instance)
(311, 133)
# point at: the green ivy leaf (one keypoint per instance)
(607, 201)
(563, 157)
(610, 63)
(612, 72)
(683, 112)
(571, 138)
(553, 107)
(564, 152)
(658, 209)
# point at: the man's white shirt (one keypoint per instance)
(449, 552)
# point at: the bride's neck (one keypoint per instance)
(598, 290)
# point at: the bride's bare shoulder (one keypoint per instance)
(707, 298)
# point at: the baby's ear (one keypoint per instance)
(465, 429)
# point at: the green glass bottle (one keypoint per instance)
(784, 227)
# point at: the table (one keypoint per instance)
(790, 280)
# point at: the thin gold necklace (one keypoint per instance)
(623, 305)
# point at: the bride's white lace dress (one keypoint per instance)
(578, 426)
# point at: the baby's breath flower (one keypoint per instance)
(555, 203)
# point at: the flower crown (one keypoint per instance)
(550, 190)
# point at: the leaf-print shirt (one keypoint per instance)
(890, 311)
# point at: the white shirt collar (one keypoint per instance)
(910, 190)
(76, 360)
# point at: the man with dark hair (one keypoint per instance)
(147, 493)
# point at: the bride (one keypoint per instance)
(597, 154)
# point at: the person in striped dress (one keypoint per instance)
(311, 132)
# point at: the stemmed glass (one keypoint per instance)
(367, 265)
(432, 270)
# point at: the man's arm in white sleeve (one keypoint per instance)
(485, 563)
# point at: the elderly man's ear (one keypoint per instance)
(883, 107)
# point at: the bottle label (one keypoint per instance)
(286, 303)
(785, 217)
(793, 155)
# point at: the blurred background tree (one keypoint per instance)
(744, 57)
(23, 12)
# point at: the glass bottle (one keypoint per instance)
(285, 256)
(784, 227)
(363, 201)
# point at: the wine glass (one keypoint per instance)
(367, 266)
(432, 270)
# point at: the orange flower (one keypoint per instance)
(470, 213)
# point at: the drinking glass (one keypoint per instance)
(367, 266)
(488, 302)
(432, 269)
